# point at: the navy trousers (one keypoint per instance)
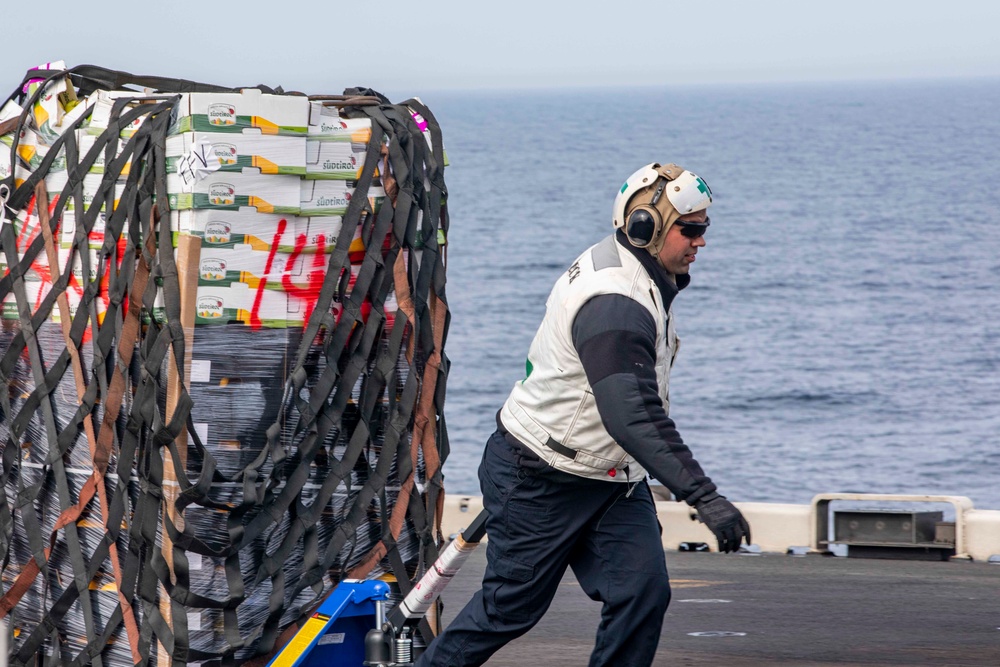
(540, 522)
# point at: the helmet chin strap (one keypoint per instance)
(655, 247)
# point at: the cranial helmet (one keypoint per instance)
(653, 198)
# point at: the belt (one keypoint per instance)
(515, 451)
(551, 443)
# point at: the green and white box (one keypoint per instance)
(249, 110)
(31, 148)
(223, 190)
(228, 229)
(334, 160)
(10, 110)
(320, 234)
(301, 303)
(327, 197)
(92, 185)
(104, 102)
(55, 183)
(242, 264)
(67, 230)
(78, 267)
(325, 123)
(216, 304)
(5, 170)
(235, 302)
(246, 153)
(49, 111)
(35, 290)
(87, 142)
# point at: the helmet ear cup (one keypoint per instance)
(642, 226)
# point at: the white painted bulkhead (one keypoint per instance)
(778, 527)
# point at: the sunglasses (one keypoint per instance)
(694, 231)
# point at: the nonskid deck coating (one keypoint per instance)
(794, 611)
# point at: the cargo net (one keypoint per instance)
(223, 321)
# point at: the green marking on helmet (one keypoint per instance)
(703, 188)
(527, 368)
(624, 188)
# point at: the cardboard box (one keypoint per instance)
(265, 309)
(325, 197)
(325, 123)
(250, 110)
(27, 227)
(229, 228)
(38, 284)
(77, 268)
(38, 272)
(30, 147)
(36, 291)
(72, 117)
(31, 151)
(10, 110)
(302, 300)
(242, 264)
(5, 169)
(95, 239)
(242, 152)
(86, 144)
(231, 191)
(322, 232)
(235, 303)
(48, 109)
(40, 275)
(216, 304)
(92, 184)
(334, 160)
(296, 265)
(104, 102)
(56, 182)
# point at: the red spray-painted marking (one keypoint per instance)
(308, 292)
(314, 279)
(27, 236)
(255, 311)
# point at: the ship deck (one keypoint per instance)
(787, 610)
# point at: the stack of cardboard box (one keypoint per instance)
(257, 185)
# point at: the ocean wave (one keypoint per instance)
(803, 398)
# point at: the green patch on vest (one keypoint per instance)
(528, 368)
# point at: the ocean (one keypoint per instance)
(842, 329)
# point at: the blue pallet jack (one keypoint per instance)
(353, 628)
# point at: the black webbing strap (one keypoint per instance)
(411, 189)
(103, 448)
(90, 77)
(55, 453)
(345, 428)
(55, 456)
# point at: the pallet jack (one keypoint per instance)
(351, 627)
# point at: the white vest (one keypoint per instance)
(553, 408)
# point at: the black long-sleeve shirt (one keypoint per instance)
(616, 339)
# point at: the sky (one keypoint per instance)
(403, 48)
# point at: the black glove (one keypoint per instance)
(725, 521)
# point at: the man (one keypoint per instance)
(563, 478)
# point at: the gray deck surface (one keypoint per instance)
(809, 610)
